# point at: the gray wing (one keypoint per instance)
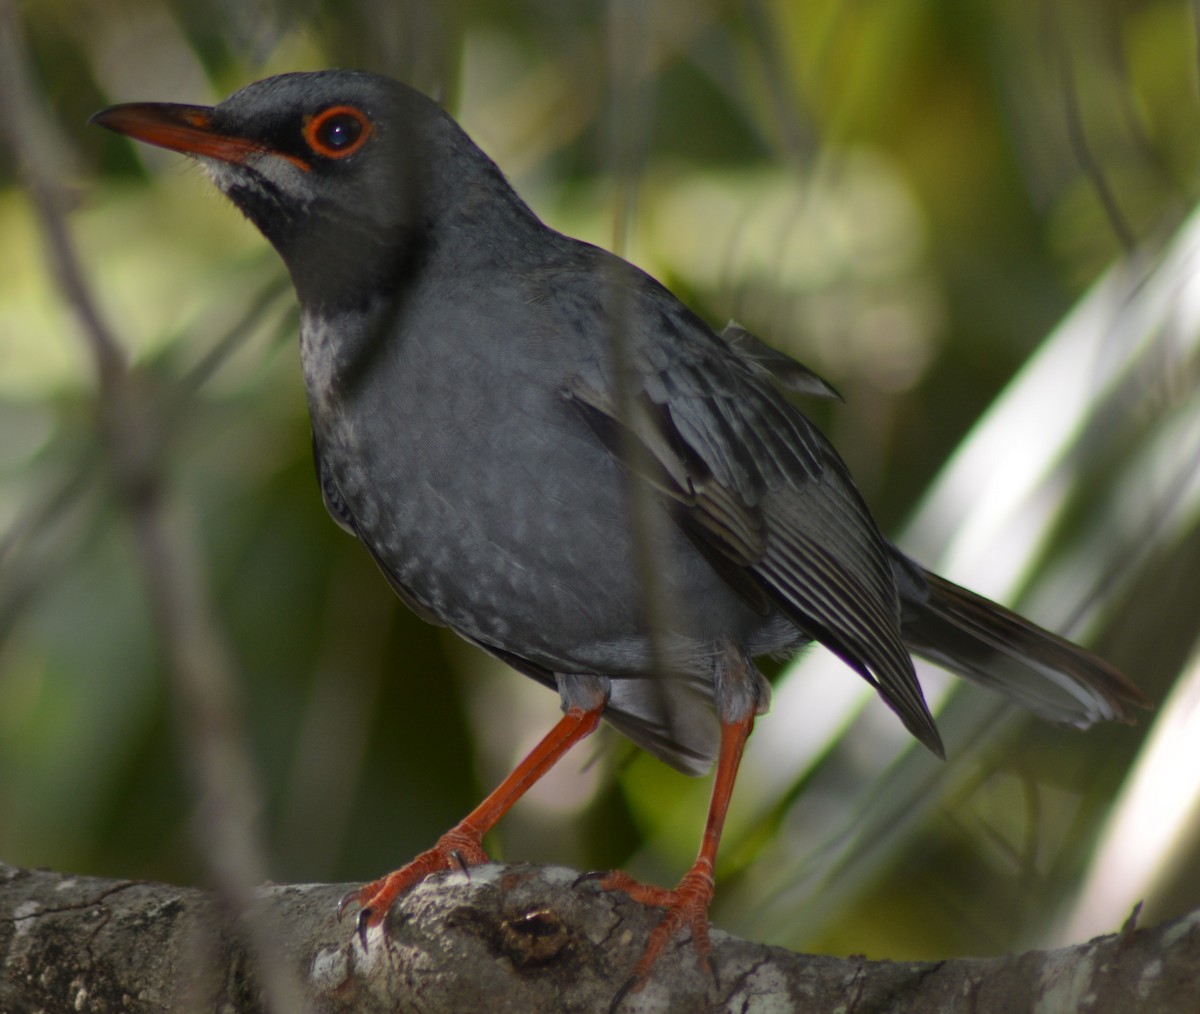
(780, 368)
(755, 485)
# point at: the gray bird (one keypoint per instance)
(547, 452)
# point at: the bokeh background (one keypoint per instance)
(933, 203)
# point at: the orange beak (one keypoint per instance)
(186, 129)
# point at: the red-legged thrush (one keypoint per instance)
(546, 451)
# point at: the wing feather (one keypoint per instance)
(759, 489)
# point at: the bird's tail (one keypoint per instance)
(994, 647)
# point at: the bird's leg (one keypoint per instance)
(462, 845)
(687, 904)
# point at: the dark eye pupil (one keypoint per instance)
(339, 131)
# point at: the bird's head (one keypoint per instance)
(345, 172)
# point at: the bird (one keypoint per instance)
(546, 451)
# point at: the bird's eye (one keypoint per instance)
(338, 131)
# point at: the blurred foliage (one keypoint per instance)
(908, 195)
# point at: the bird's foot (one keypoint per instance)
(686, 906)
(458, 849)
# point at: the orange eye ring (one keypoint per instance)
(337, 132)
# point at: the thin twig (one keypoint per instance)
(199, 665)
(1077, 133)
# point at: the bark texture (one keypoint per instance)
(510, 938)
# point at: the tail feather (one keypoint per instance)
(994, 647)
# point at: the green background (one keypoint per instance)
(907, 195)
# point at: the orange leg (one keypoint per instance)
(462, 845)
(687, 904)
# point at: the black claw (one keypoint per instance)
(590, 875)
(462, 863)
(362, 924)
(621, 994)
(346, 898)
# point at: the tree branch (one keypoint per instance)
(513, 938)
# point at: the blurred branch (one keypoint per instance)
(518, 938)
(202, 676)
(1077, 132)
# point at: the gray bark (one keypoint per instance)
(510, 938)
